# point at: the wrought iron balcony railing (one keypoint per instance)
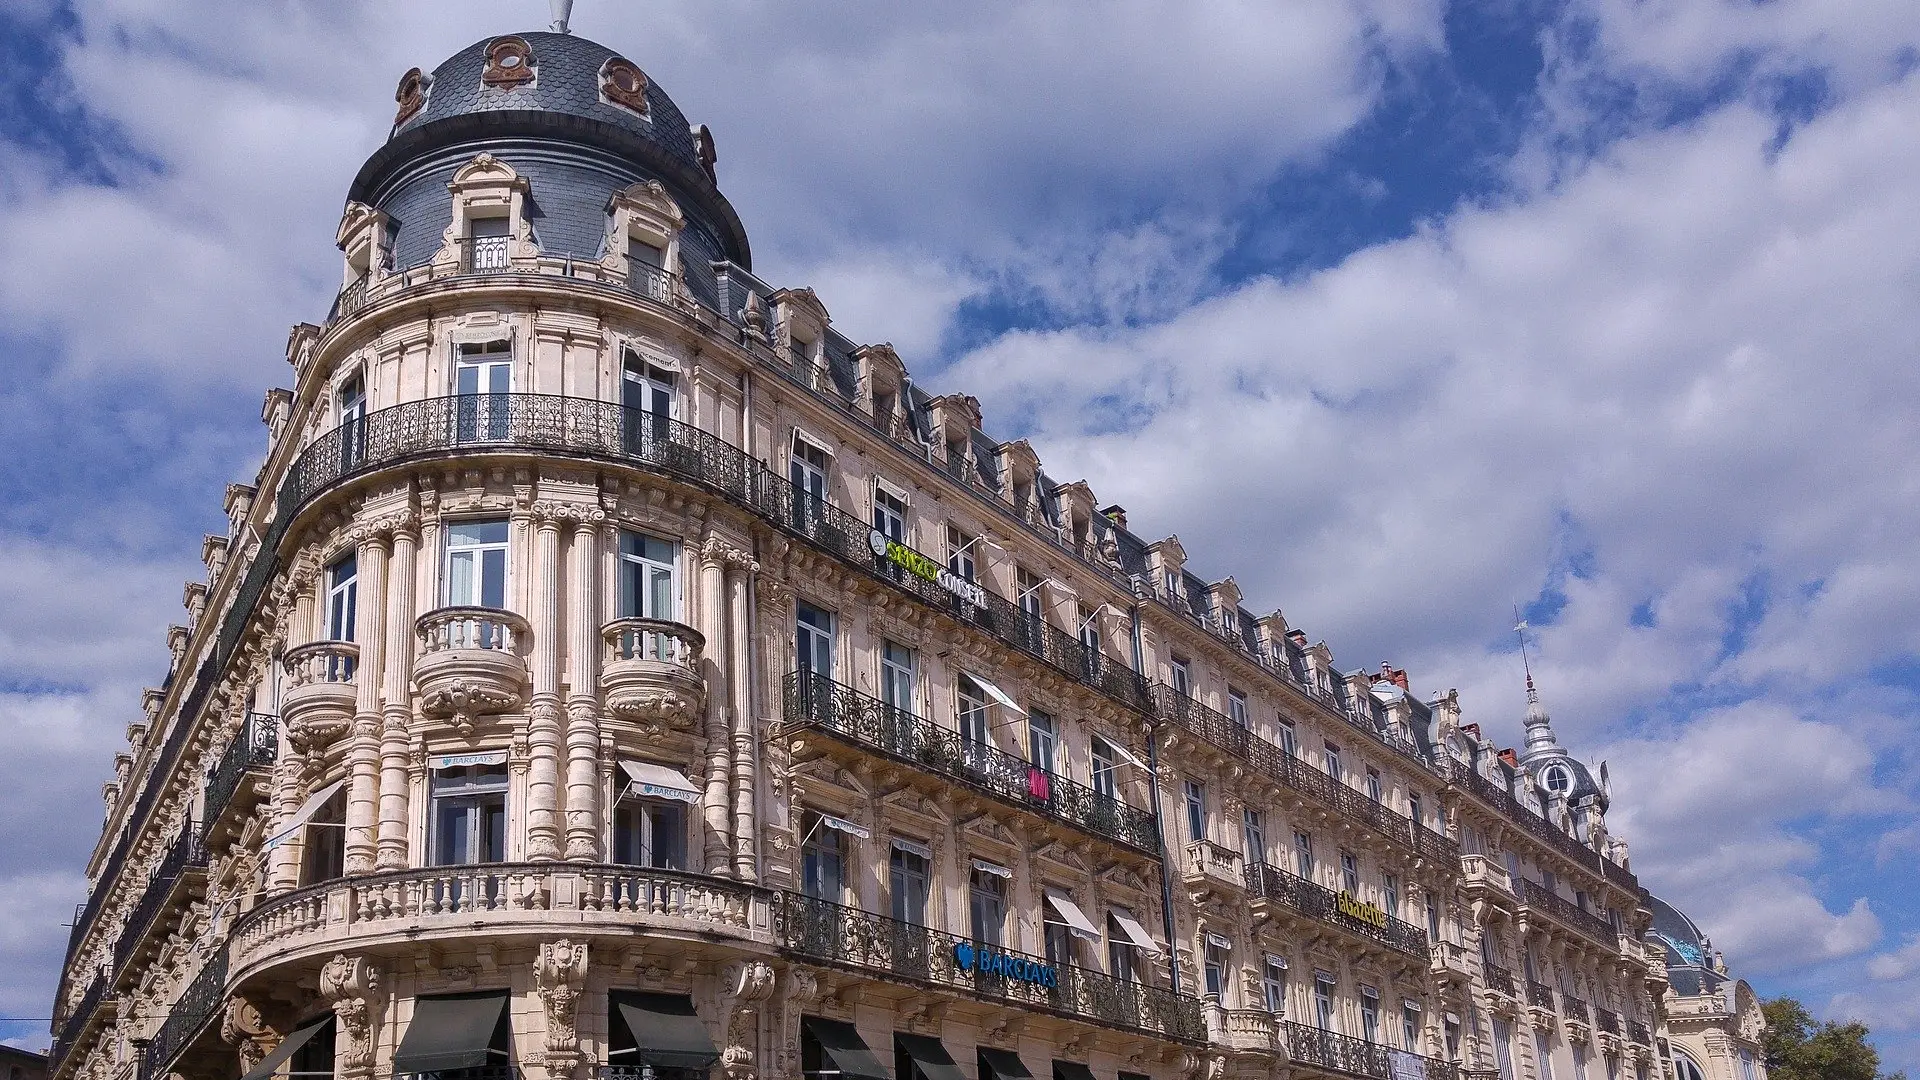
(256, 746)
(874, 725)
(185, 855)
(1265, 881)
(1442, 849)
(608, 430)
(1539, 994)
(1323, 1049)
(68, 1033)
(198, 1006)
(1572, 1007)
(1499, 979)
(1607, 1020)
(830, 933)
(1566, 913)
(1218, 729)
(1638, 1033)
(1464, 775)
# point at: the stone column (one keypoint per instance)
(739, 581)
(715, 805)
(583, 714)
(363, 753)
(397, 705)
(544, 715)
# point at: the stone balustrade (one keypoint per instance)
(472, 663)
(651, 672)
(1253, 1031)
(1211, 866)
(317, 702)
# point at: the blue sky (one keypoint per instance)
(1401, 312)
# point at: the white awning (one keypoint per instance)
(1070, 913)
(1274, 960)
(1122, 753)
(993, 868)
(305, 814)
(481, 757)
(1368, 991)
(1409, 1003)
(840, 824)
(1453, 1018)
(1135, 933)
(659, 782)
(1217, 941)
(997, 694)
(913, 847)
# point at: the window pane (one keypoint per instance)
(493, 578)
(474, 533)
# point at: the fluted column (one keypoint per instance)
(714, 804)
(583, 714)
(363, 753)
(739, 581)
(397, 706)
(544, 715)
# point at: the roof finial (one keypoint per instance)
(562, 11)
(1520, 629)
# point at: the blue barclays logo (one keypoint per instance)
(989, 961)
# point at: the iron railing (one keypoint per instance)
(831, 933)
(1266, 881)
(198, 1006)
(187, 853)
(1572, 1007)
(1499, 979)
(1329, 1050)
(1465, 775)
(1218, 729)
(872, 724)
(1436, 846)
(1607, 1020)
(255, 746)
(1565, 912)
(608, 430)
(1637, 1033)
(68, 1033)
(1540, 994)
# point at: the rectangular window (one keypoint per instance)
(1237, 708)
(1350, 873)
(1370, 1014)
(1273, 984)
(1059, 943)
(1106, 770)
(1254, 834)
(482, 378)
(987, 908)
(1580, 1062)
(646, 392)
(323, 842)
(1390, 894)
(813, 640)
(1323, 1000)
(807, 470)
(1041, 738)
(1543, 1051)
(971, 712)
(1288, 741)
(650, 832)
(890, 514)
(1413, 810)
(476, 568)
(487, 238)
(1182, 682)
(1373, 785)
(823, 864)
(907, 886)
(1195, 794)
(647, 578)
(469, 815)
(352, 401)
(1090, 633)
(1303, 854)
(960, 554)
(1120, 952)
(1503, 1047)
(1216, 972)
(1409, 1027)
(343, 595)
(1333, 764)
(1433, 918)
(896, 676)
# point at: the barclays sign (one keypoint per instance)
(986, 960)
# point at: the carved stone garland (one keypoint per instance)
(559, 974)
(350, 983)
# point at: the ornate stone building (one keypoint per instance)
(614, 671)
(1714, 1021)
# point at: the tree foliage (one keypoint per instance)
(1798, 1047)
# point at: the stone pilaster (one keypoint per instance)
(715, 805)
(583, 714)
(396, 704)
(363, 754)
(544, 714)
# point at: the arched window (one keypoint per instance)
(1557, 779)
(1685, 1067)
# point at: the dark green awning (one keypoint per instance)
(1071, 1070)
(841, 1042)
(452, 1032)
(930, 1060)
(667, 1033)
(1003, 1064)
(288, 1047)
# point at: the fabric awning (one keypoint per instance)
(1003, 1064)
(913, 847)
(288, 1047)
(1124, 754)
(840, 824)
(1135, 933)
(997, 694)
(305, 814)
(452, 1032)
(478, 757)
(660, 782)
(993, 868)
(1071, 1070)
(841, 1041)
(930, 1059)
(667, 1033)
(1219, 941)
(1071, 914)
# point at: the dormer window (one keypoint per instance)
(487, 244)
(647, 271)
(1557, 779)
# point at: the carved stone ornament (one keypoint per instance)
(464, 699)
(242, 1027)
(559, 974)
(801, 988)
(746, 985)
(509, 64)
(624, 85)
(350, 983)
(703, 149)
(411, 95)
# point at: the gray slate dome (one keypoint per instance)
(1548, 764)
(1690, 969)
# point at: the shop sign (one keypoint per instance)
(904, 557)
(1346, 904)
(990, 961)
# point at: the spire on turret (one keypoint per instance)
(562, 11)
(1540, 737)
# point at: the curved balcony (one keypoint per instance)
(317, 704)
(229, 794)
(650, 673)
(472, 663)
(1319, 1049)
(499, 899)
(1268, 885)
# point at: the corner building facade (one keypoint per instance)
(615, 672)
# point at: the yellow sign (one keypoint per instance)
(1347, 904)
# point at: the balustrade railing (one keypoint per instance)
(1540, 994)
(649, 281)
(1266, 881)
(1252, 1030)
(256, 746)
(1566, 912)
(653, 639)
(449, 628)
(1329, 1050)
(873, 724)
(321, 662)
(609, 430)
(835, 934)
(1499, 979)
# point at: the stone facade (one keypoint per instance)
(602, 623)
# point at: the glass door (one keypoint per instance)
(482, 378)
(647, 394)
(353, 424)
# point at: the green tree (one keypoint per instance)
(1798, 1047)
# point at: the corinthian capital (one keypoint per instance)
(717, 549)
